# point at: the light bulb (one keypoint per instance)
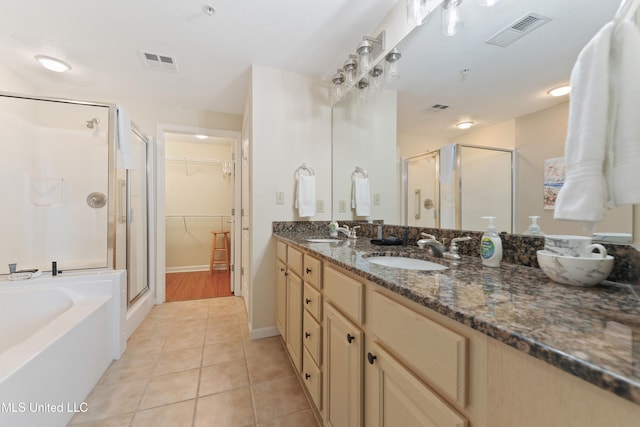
(416, 12)
(488, 2)
(375, 83)
(392, 71)
(364, 55)
(451, 20)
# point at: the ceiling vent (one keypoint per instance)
(518, 29)
(159, 61)
(435, 108)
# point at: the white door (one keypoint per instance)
(421, 191)
(245, 220)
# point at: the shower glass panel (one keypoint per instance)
(54, 175)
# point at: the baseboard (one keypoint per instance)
(187, 269)
(256, 334)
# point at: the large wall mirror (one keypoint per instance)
(445, 80)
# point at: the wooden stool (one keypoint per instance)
(215, 248)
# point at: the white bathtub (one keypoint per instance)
(57, 337)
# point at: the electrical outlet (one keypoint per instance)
(279, 198)
(319, 205)
(342, 205)
(376, 199)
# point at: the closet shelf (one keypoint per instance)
(192, 216)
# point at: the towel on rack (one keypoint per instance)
(306, 195)
(447, 163)
(361, 197)
(583, 195)
(123, 141)
(623, 157)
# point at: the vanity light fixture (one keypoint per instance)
(375, 85)
(392, 72)
(560, 90)
(451, 20)
(201, 136)
(350, 68)
(368, 49)
(488, 3)
(464, 125)
(416, 12)
(53, 64)
(338, 82)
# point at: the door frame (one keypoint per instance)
(236, 241)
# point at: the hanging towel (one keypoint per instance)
(447, 163)
(123, 141)
(623, 165)
(306, 196)
(360, 196)
(583, 195)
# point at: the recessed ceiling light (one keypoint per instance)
(53, 64)
(201, 136)
(464, 125)
(560, 90)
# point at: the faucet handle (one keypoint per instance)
(353, 231)
(428, 236)
(454, 247)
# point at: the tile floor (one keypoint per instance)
(192, 363)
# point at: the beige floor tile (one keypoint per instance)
(170, 388)
(196, 312)
(222, 352)
(144, 345)
(108, 400)
(298, 419)
(278, 398)
(192, 339)
(229, 409)
(215, 321)
(178, 360)
(267, 360)
(117, 421)
(223, 332)
(223, 377)
(175, 415)
(129, 368)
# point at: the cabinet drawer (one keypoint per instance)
(312, 337)
(294, 260)
(432, 351)
(313, 301)
(282, 251)
(345, 293)
(312, 271)
(312, 379)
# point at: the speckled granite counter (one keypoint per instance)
(592, 333)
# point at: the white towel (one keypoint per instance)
(361, 197)
(583, 195)
(123, 141)
(447, 163)
(306, 196)
(623, 165)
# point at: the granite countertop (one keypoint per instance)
(592, 332)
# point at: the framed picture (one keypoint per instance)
(554, 175)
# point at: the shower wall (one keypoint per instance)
(50, 163)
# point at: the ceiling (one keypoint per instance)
(102, 42)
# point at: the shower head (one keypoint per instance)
(93, 122)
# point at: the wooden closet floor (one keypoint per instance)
(197, 285)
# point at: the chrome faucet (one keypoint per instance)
(350, 233)
(437, 248)
(452, 253)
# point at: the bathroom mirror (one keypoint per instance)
(502, 89)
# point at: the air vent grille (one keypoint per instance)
(159, 61)
(435, 108)
(518, 29)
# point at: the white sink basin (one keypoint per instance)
(405, 263)
(323, 240)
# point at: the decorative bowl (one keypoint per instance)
(576, 271)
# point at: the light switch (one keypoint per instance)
(376, 199)
(342, 205)
(280, 198)
(319, 205)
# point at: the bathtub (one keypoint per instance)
(57, 337)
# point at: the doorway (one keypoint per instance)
(199, 200)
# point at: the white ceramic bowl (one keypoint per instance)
(577, 271)
(613, 237)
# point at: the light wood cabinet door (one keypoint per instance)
(281, 298)
(294, 319)
(396, 397)
(343, 368)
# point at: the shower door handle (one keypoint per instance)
(418, 197)
(122, 200)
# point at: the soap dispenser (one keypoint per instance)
(534, 229)
(491, 245)
(333, 228)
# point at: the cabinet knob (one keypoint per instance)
(281, 270)
(308, 270)
(286, 273)
(371, 358)
(307, 334)
(307, 300)
(350, 338)
(307, 375)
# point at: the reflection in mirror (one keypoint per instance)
(502, 89)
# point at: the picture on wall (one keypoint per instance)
(554, 175)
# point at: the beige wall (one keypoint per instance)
(541, 136)
(290, 124)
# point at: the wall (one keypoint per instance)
(193, 189)
(541, 136)
(291, 124)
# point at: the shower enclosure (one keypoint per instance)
(65, 199)
(455, 186)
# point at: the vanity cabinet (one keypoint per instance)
(281, 297)
(293, 336)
